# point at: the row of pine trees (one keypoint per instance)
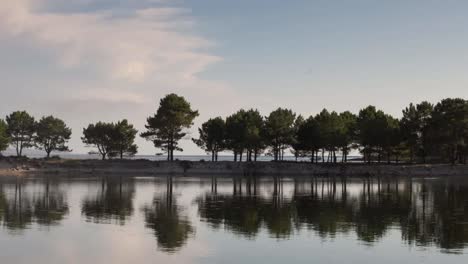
(425, 133)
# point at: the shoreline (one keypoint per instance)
(12, 167)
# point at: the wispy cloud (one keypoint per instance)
(133, 47)
(97, 57)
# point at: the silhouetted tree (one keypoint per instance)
(21, 129)
(449, 128)
(279, 127)
(165, 128)
(377, 132)
(236, 133)
(298, 148)
(414, 125)
(309, 137)
(4, 138)
(123, 138)
(212, 135)
(52, 135)
(331, 128)
(347, 135)
(100, 136)
(254, 138)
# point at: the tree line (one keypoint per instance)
(50, 134)
(21, 131)
(424, 133)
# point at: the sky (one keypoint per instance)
(104, 60)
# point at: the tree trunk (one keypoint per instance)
(18, 149)
(411, 155)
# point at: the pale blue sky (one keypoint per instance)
(90, 60)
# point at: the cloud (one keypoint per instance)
(131, 47)
(102, 60)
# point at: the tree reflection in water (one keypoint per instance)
(163, 216)
(19, 209)
(112, 202)
(426, 212)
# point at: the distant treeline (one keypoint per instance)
(426, 133)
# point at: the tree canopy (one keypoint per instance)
(52, 134)
(123, 138)
(99, 135)
(212, 137)
(279, 127)
(21, 129)
(111, 139)
(425, 133)
(166, 127)
(4, 138)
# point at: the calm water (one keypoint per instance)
(192, 220)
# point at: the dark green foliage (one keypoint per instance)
(328, 132)
(255, 130)
(236, 133)
(439, 133)
(52, 134)
(448, 129)
(167, 126)
(4, 138)
(414, 126)
(100, 136)
(111, 139)
(298, 149)
(308, 137)
(245, 133)
(347, 134)
(212, 135)
(123, 138)
(331, 128)
(377, 133)
(279, 131)
(21, 130)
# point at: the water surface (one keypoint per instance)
(221, 220)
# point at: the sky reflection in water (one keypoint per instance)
(193, 220)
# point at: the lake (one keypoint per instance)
(224, 220)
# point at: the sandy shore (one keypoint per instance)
(12, 167)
